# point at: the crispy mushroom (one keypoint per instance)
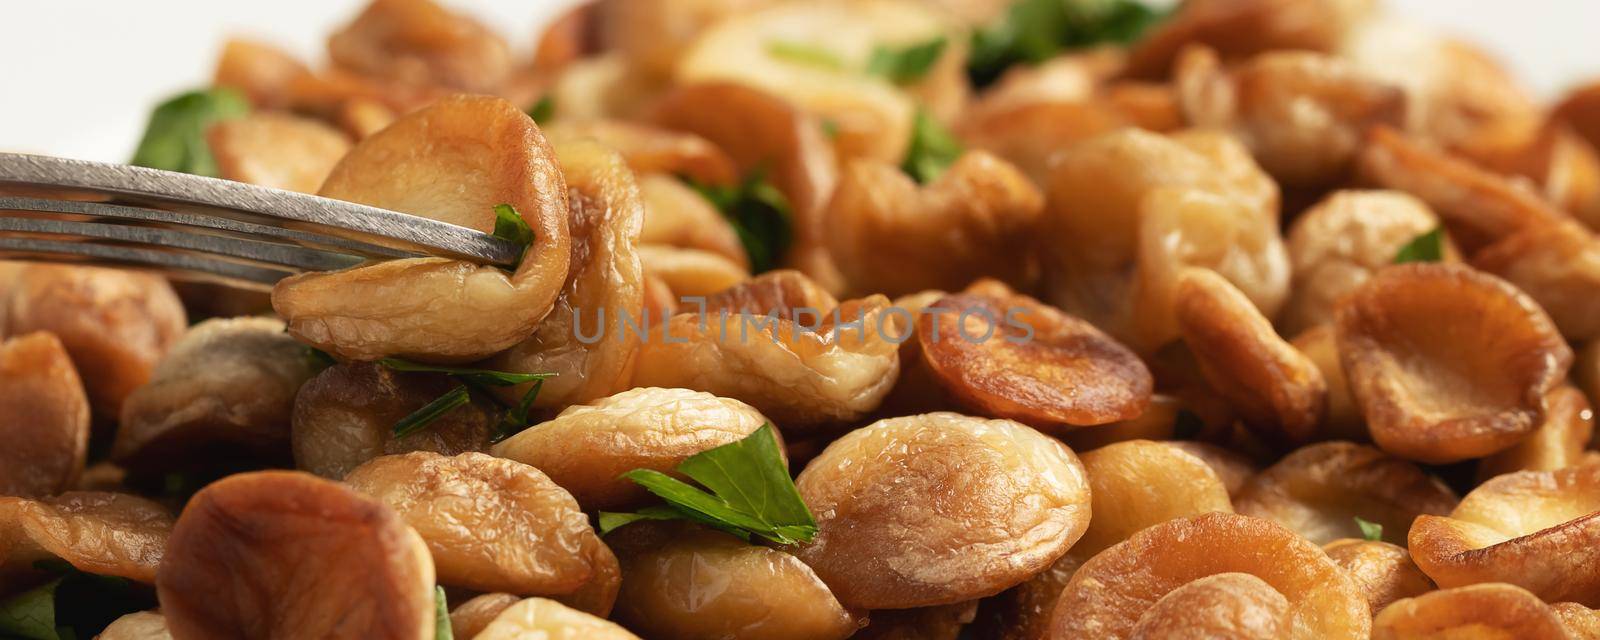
(1582, 623)
(580, 341)
(283, 554)
(346, 416)
(431, 163)
(1580, 109)
(1150, 581)
(277, 150)
(1384, 572)
(692, 273)
(892, 236)
(1401, 343)
(1533, 529)
(791, 293)
(1276, 389)
(1024, 612)
(469, 618)
(1140, 483)
(1128, 212)
(493, 524)
(262, 72)
(542, 618)
(1338, 243)
(1342, 419)
(115, 324)
(943, 622)
(421, 42)
(111, 534)
(1558, 265)
(1476, 611)
(1302, 114)
(1476, 205)
(44, 417)
(1008, 355)
(652, 149)
(806, 378)
(677, 215)
(140, 625)
(1233, 468)
(1028, 133)
(685, 581)
(1242, 28)
(1319, 490)
(604, 86)
(588, 447)
(654, 34)
(1158, 421)
(1564, 166)
(763, 132)
(1558, 442)
(940, 508)
(227, 389)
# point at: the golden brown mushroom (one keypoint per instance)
(692, 273)
(943, 622)
(1140, 483)
(890, 235)
(1559, 441)
(1276, 389)
(677, 215)
(493, 524)
(346, 416)
(1024, 612)
(1338, 243)
(686, 581)
(115, 324)
(423, 43)
(836, 368)
(786, 291)
(227, 388)
(1558, 265)
(1007, 355)
(262, 72)
(588, 447)
(1533, 529)
(110, 534)
(1424, 395)
(1319, 490)
(654, 34)
(1580, 109)
(940, 508)
(431, 163)
(141, 625)
(1342, 420)
(542, 618)
(1476, 611)
(277, 150)
(652, 150)
(469, 618)
(582, 341)
(44, 417)
(1123, 588)
(1302, 114)
(1232, 467)
(1384, 572)
(1582, 623)
(1242, 28)
(283, 554)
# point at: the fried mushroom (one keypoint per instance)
(1427, 398)
(260, 71)
(1319, 490)
(469, 619)
(44, 417)
(543, 618)
(940, 508)
(140, 625)
(943, 622)
(115, 324)
(677, 215)
(1533, 529)
(433, 163)
(1559, 441)
(110, 534)
(493, 524)
(1140, 483)
(1342, 420)
(1242, 28)
(651, 149)
(692, 273)
(1121, 590)
(276, 150)
(889, 235)
(421, 42)
(1382, 571)
(588, 447)
(1558, 265)
(227, 387)
(283, 554)
(346, 416)
(1476, 611)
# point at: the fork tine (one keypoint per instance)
(259, 205)
(270, 253)
(233, 273)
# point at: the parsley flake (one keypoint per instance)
(906, 65)
(1033, 31)
(933, 149)
(759, 213)
(805, 54)
(1371, 531)
(1428, 247)
(175, 137)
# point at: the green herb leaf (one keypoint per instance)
(933, 149)
(175, 137)
(441, 616)
(73, 605)
(1033, 31)
(750, 492)
(759, 213)
(905, 65)
(543, 110)
(1428, 247)
(480, 377)
(31, 614)
(611, 520)
(424, 417)
(830, 128)
(806, 54)
(1370, 530)
(509, 226)
(515, 419)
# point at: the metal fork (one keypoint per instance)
(56, 209)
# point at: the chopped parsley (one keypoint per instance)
(933, 149)
(906, 65)
(1370, 531)
(543, 110)
(759, 213)
(175, 137)
(1033, 31)
(1428, 247)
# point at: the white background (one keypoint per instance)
(77, 77)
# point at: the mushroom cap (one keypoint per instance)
(1561, 440)
(44, 417)
(939, 508)
(1140, 483)
(1319, 490)
(422, 42)
(586, 448)
(110, 534)
(1558, 265)
(1479, 610)
(276, 150)
(1426, 398)
(279, 554)
(542, 618)
(1533, 529)
(1111, 594)
(1383, 571)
